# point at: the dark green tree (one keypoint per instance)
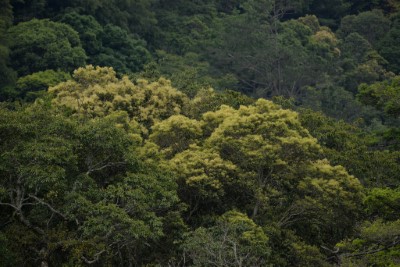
(372, 25)
(89, 31)
(38, 45)
(121, 50)
(7, 75)
(272, 58)
(389, 46)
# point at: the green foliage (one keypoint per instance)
(187, 73)
(89, 31)
(382, 203)
(25, 10)
(383, 95)
(338, 103)
(133, 15)
(282, 57)
(206, 181)
(138, 170)
(76, 191)
(328, 12)
(31, 86)
(322, 195)
(235, 240)
(121, 51)
(210, 100)
(372, 25)
(347, 145)
(389, 46)
(110, 45)
(361, 63)
(7, 257)
(39, 45)
(388, 6)
(184, 25)
(377, 245)
(7, 75)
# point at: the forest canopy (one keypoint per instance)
(199, 133)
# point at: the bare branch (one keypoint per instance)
(95, 259)
(49, 206)
(9, 205)
(110, 164)
(330, 250)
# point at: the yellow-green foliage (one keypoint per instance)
(258, 158)
(97, 92)
(332, 186)
(203, 171)
(259, 136)
(175, 134)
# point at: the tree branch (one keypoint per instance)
(368, 252)
(9, 205)
(49, 206)
(110, 164)
(95, 259)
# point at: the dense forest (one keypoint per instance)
(200, 133)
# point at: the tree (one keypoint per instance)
(110, 45)
(377, 244)
(121, 50)
(270, 57)
(348, 145)
(175, 134)
(210, 100)
(372, 25)
(38, 45)
(258, 159)
(188, 73)
(389, 47)
(25, 10)
(382, 203)
(36, 164)
(383, 95)
(135, 16)
(74, 193)
(89, 31)
(235, 240)
(97, 92)
(206, 182)
(32, 86)
(360, 63)
(328, 12)
(388, 6)
(7, 75)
